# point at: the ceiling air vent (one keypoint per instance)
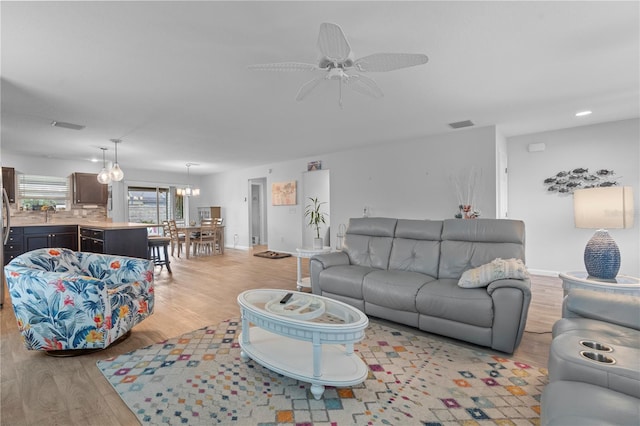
(461, 124)
(67, 125)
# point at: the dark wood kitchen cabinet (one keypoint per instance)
(59, 236)
(26, 238)
(15, 244)
(130, 242)
(87, 189)
(9, 182)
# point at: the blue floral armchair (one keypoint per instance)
(65, 300)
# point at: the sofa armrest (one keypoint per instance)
(320, 262)
(511, 300)
(331, 259)
(620, 309)
(522, 285)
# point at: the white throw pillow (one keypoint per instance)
(497, 269)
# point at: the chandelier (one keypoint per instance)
(188, 191)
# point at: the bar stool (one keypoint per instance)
(154, 245)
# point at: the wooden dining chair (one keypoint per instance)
(176, 239)
(208, 238)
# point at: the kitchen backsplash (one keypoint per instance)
(24, 217)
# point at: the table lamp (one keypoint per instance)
(599, 208)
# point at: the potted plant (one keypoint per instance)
(316, 217)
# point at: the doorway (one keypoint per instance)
(257, 212)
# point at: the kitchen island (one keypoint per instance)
(118, 238)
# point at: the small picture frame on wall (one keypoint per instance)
(283, 193)
(314, 165)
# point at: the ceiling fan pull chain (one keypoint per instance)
(340, 89)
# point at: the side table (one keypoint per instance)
(307, 253)
(623, 284)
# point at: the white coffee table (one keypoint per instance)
(309, 339)
(307, 253)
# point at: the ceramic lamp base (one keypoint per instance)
(602, 256)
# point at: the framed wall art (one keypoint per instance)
(283, 193)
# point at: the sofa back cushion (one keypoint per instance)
(416, 246)
(469, 243)
(368, 241)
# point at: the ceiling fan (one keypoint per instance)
(336, 62)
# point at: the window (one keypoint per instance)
(148, 205)
(39, 192)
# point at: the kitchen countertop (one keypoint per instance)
(88, 224)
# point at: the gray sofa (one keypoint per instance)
(407, 271)
(583, 391)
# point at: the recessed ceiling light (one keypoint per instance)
(582, 113)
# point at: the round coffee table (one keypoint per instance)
(310, 338)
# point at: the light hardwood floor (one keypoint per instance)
(41, 390)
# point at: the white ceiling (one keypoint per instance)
(171, 78)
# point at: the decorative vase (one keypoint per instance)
(467, 212)
(318, 243)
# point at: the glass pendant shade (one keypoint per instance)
(116, 174)
(104, 177)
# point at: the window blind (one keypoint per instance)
(37, 187)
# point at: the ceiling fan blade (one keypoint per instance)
(308, 87)
(363, 85)
(284, 66)
(382, 62)
(332, 42)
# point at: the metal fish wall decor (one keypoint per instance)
(566, 181)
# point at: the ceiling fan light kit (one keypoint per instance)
(338, 63)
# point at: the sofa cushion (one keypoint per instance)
(345, 280)
(368, 251)
(416, 246)
(497, 269)
(372, 226)
(467, 244)
(443, 298)
(394, 289)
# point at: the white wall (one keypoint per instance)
(553, 243)
(407, 179)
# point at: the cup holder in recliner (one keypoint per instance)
(596, 346)
(598, 357)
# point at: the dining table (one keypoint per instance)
(187, 230)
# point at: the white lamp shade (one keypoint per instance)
(607, 208)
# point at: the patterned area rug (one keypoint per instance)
(199, 379)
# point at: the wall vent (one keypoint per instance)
(461, 124)
(67, 125)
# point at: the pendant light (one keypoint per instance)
(103, 176)
(188, 191)
(116, 172)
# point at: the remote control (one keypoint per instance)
(286, 298)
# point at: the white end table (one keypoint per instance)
(623, 284)
(307, 253)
